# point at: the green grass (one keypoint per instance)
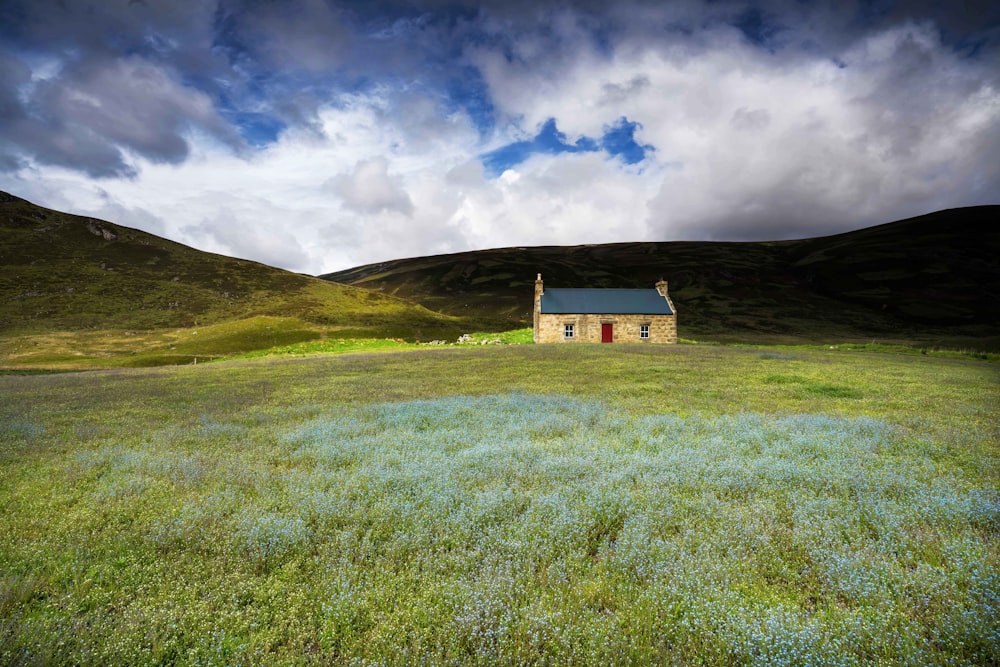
(58, 275)
(335, 345)
(884, 348)
(482, 504)
(330, 346)
(271, 337)
(252, 338)
(512, 337)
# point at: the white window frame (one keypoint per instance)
(569, 331)
(643, 332)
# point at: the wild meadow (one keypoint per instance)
(688, 505)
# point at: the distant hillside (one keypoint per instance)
(61, 272)
(935, 278)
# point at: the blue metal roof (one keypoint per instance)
(604, 302)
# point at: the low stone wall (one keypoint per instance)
(587, 328)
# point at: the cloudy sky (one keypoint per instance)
(317, 135)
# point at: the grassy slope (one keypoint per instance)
(932, 279)
(661, 505)
(66, 274)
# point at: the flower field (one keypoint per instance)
(718, 506)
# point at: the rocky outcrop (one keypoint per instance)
(97, 229)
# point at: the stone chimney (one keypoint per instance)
(661, 287)
(539, 291)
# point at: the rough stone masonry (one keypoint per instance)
(563, 315)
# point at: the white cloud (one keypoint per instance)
(748, 145)
(369, 188)
(770, 147)
(250, 229)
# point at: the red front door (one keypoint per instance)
(607, 333)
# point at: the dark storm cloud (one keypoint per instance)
(109, 79)
(92, 112)
(14, 74)
(309, 35)
(174, 34)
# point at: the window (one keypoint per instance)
(568, 331)
(644, 332)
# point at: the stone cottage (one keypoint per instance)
(604, 315)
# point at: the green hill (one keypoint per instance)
(76, 291)
(104, 287)
(934, 279)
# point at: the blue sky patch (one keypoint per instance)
(258, 129)
(549, 140)
(470, 92)
(618, 140)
